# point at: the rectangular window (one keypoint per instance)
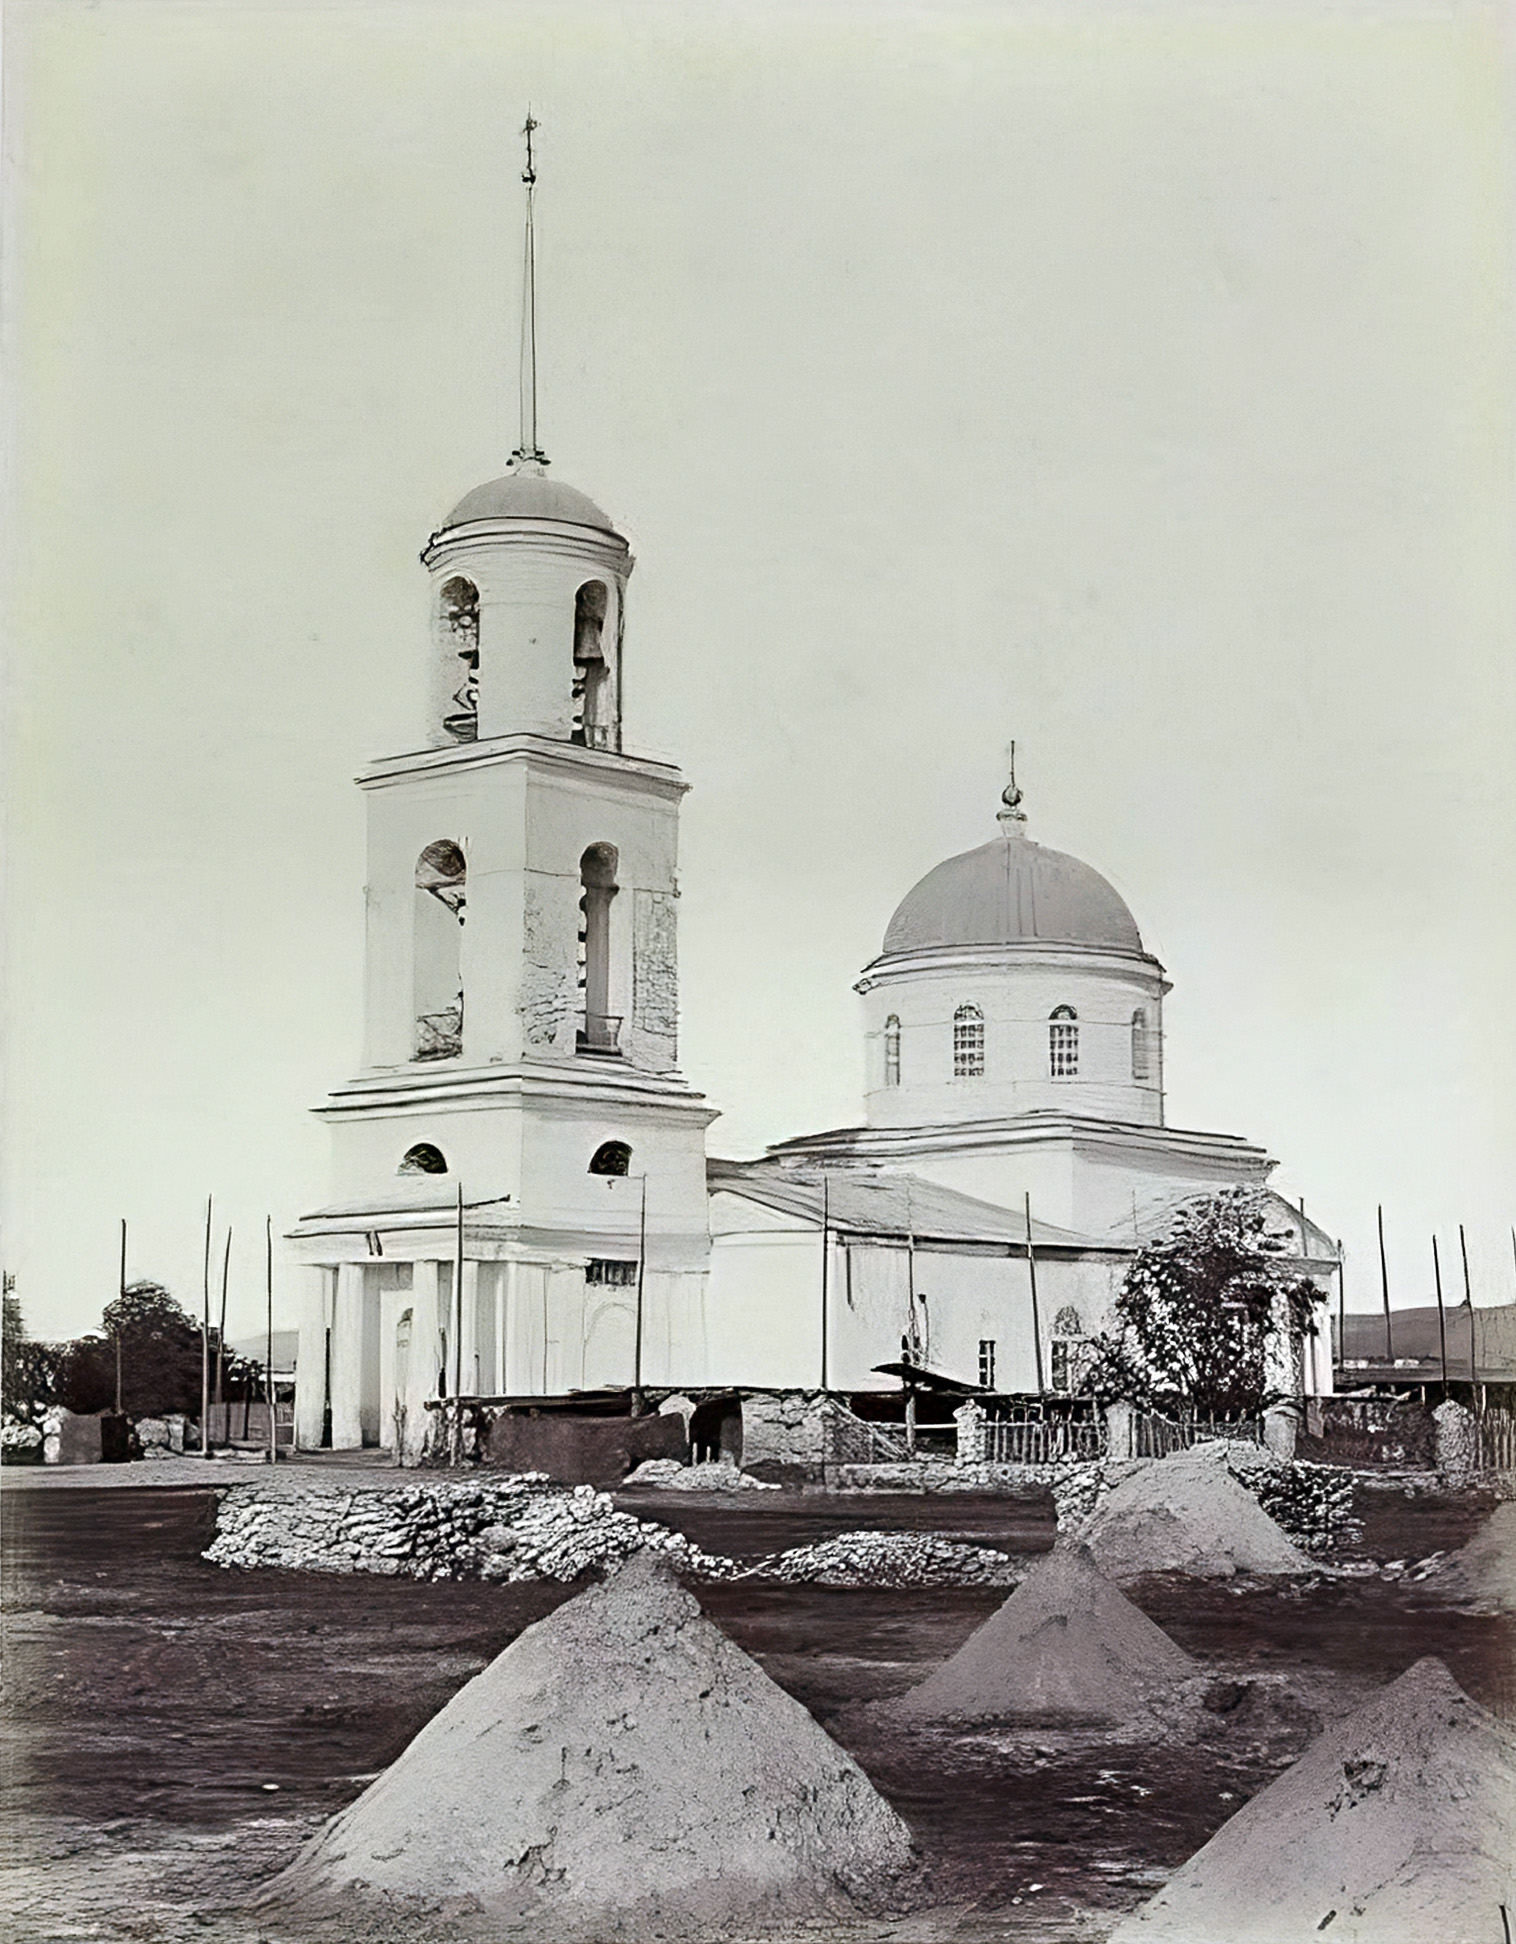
(616, 1275)
(1141, 1063)
(1063, 1050)
(968, 1045)
(986, 1363)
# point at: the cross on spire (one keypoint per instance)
(528, 452)
(1011, 795)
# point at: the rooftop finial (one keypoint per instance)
(529, 453)
(1010, 796)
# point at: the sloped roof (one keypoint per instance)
(884, 1202)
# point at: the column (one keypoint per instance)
(347, 1358)
(423, 1357)
(392, 1305)
(310, 1360)
(502, 1334)
(469, 1362)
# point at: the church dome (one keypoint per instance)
(1012, 891)
(528, 496)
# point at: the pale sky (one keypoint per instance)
(1133, 380)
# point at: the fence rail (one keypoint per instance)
(1040, 1441)
(1496, 1432)
(1157, 1437)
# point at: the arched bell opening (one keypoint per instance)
(601, 1029)
(458, 629)
(441, 885)
(592, 711)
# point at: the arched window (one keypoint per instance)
(968, 1043)
(591, 673)
(1141, 1062)
(1063, 1043)
(892, 1051)
(611, 1158)
(601, 1030)
(459, 620)
(423, 1158)
(441, 885)
(1063, 1357)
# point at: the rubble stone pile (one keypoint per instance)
(1313, 1504)
(1397, 1826)
(1067, 1647)
(1186, 1514)
(891, 1559)
(621, 1769)
(667, 1474)
(517, 1527)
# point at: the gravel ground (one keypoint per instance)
(153, 1699)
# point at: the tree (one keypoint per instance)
(160, 1358)
(1193, 1323)
(28, 1370)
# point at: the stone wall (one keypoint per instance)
(785, 1432)
(583, 1450)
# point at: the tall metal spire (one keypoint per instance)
(529, 453)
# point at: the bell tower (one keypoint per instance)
(520, 1203)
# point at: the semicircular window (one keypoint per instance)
(423, 1158)
(611, 1158)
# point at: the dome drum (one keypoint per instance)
(990, 1035)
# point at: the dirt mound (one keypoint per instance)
(891, 1559)
(1485, 1569)
(1187, 1514)
(620, 1769)
(1397, 1827)
(1067, 1646)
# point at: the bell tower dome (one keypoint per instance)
(528, 591)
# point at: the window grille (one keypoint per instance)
(968, 1043)
(892, 1051)
(610, 1273)
(1141, 1066)
(1063, 1043)
(986, 1363)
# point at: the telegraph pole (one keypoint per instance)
(120, 1316)
(1031, 1270)
(205, 1339)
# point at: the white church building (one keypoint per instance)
(522, 1204)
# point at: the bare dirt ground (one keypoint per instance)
(175, 1731)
